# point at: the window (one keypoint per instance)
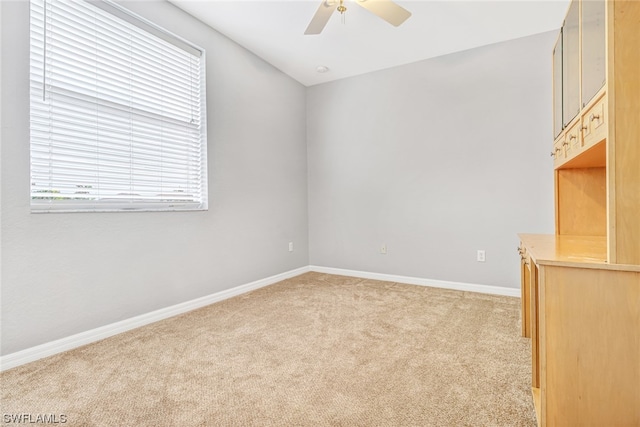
(117, 112)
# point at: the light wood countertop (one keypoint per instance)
(570, 251)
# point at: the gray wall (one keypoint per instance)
(435, 159)
(67, 273)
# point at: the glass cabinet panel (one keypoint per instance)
(593, 48)
(557, 87)
(571, 63)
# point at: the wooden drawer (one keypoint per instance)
(573, 140)
(558, 152)
(595, 123)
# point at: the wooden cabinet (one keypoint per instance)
(584, 316)
(525, 280)
(581, 285)
(605, 133)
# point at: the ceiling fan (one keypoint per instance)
(385, 9)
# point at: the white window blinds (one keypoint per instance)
(117, 112)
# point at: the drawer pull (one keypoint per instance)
(584, 127)
(593, 117)
(565, 143)
(572, 137)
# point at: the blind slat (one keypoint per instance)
(117, 112)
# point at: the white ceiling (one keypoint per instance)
(274, 30)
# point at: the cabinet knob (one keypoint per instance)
(593, 117)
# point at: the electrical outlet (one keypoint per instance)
(290, 246)
(383, 249)
(481, 256)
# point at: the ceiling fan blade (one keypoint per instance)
(321, 17)
(387, 10)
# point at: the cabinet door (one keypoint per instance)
(593, 48)
(571, 63)
(525, 294)
(557, 87)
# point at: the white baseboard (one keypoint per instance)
(58, 346)
(470, 287)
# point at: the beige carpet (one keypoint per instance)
(315, 350)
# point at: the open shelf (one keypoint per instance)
(594, 157)
(581, 201)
